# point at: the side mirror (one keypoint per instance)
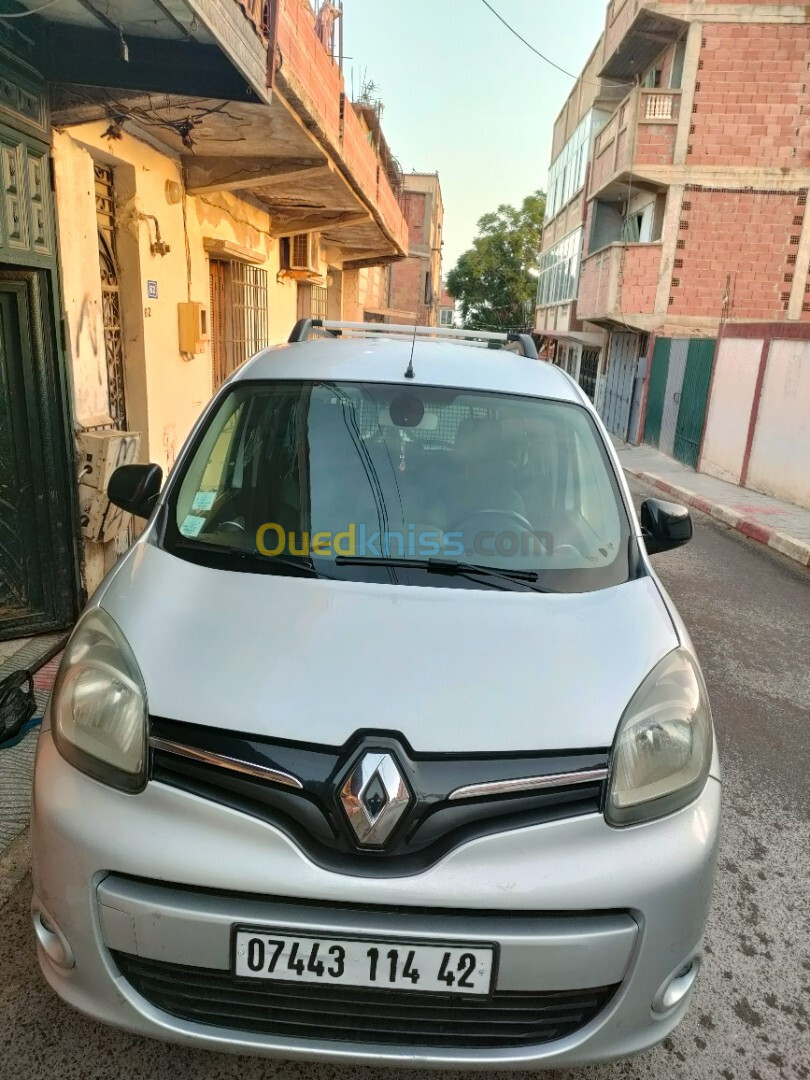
(135, 488)
(664, 525)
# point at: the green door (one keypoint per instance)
(694, 396)
(37, 584)
(657, 392)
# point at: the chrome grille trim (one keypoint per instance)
(223, 761)
(527, 783)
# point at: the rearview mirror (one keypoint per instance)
(135, 488)
(664, 525)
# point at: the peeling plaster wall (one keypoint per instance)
(81, 283)
(165, 390)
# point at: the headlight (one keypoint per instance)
(98, 708)
(663, 748)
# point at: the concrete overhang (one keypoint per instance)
(193, 41)
(262, 151)
(191, 76)
(646, 38)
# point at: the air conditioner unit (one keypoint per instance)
(304, 252)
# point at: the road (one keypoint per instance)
(749, 613)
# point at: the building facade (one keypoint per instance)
(696, 227)
(415, 283)
(180, 185)
(565, 338)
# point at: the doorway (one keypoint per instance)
(37, 582)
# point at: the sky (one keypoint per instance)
(463, 97)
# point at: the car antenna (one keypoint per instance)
(409, 372)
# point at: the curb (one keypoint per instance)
(790, 546)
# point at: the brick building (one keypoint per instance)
(416, 282)
(692, 204)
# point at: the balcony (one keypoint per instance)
(619, 283)
(637, 31)
(637, 141)
(255, 102)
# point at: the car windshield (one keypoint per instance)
(342, 477)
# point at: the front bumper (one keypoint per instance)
(572, 904)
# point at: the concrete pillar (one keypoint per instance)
(669, 238)
(694, 41)
(801, 269)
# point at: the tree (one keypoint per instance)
(495, 281)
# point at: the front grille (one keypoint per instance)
(313, 817)
(352, 1014)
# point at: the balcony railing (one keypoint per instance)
(257, 13)
(639, 136)
(619, 281)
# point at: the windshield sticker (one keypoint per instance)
(192, 525)
(203, 500)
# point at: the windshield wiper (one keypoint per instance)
(447, 566)
(248, 555)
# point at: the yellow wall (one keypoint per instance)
(165, 390)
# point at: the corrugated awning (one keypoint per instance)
(576, 337)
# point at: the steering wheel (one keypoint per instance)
(511, 515)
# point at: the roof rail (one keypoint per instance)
(523, 344)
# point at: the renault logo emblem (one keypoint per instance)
(374, 798)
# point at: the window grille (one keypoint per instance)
(318, 302)
(249, 311)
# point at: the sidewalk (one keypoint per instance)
(17, 761)
(779, 524)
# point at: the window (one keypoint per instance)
(250, 311)
(676, 74)
(559, 271)
(432, 472)
(652, 79)
(637, 227)
(239, 315)
(446, 317)
(318, 301)
(567, 172)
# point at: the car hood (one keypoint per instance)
(449, 669)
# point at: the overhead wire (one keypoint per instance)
(546, 59)
(528, 44)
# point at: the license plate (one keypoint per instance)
(384, 964)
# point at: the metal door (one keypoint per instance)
(672, 394)
(656, 392)
(694, 397)
(622, 360)
(36, 558)
(588, 370)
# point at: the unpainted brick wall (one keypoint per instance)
(752, 96)
(744, 237)
(408, 286)
(639, 278)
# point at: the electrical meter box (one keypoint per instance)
(192, 323)
(101, 452)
